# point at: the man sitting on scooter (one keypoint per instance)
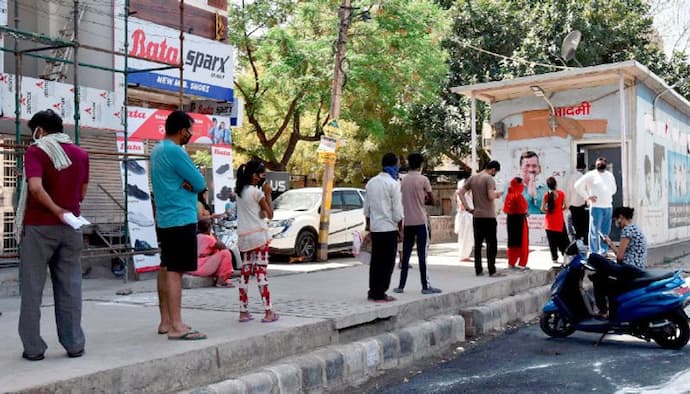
(631, 256)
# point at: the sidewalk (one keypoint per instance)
(125, 354)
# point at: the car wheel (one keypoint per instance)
(305, 246)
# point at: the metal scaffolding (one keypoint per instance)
(53, 43)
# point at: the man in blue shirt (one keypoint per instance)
(176, 183)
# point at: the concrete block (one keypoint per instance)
(260, 383)
(373, 355)
(312, 370)
(231, 386)
(354, 359)
(195, 282)
(289, 377)
(457, 330)
(334, 366)
(390, 350)
(444, 327)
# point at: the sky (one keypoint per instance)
(672, 20)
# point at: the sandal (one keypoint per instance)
(189, 336)
(245, 319)
(226, 284)
(274, 317)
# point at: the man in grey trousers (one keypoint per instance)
(56, 173)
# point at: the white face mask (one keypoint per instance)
(36, 133)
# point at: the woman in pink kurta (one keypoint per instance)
(214, 258)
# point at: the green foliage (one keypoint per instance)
(285, 68)
(202, 158)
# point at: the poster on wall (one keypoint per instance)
(208, 65)
(534, 161)
(149, 124)
(140, 221)
(223, 181)
(99, 109)
(678, 196)
(234, 110)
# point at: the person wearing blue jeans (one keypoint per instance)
(421, 235)
(599, 222)
(598, 187)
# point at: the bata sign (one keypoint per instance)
(208, 65)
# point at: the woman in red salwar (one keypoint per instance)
(515, 207)
(214, 258)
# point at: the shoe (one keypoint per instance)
(523, 269)
(224, 193)
(140, 244)
(33, 357)
(133, 166)
(139, 219)
(431, 290)
(512, 267)
(497, 274)
(76, 354)
(134, 191)
(398, 290)
(223, 169)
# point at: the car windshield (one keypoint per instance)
(301, 201)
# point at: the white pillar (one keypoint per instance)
(473, 142)
(624, 138)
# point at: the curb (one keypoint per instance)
(339, 366)
(336, 366)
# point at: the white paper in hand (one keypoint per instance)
(75, 221)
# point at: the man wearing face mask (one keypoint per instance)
(598, 187)
(176, 182)
(57, 174)
(383, 213)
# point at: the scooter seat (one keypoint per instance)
(649, 276)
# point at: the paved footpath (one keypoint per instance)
(125, 353)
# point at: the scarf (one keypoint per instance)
(50, 144)
(392, 171)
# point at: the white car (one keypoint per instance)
(295, 223)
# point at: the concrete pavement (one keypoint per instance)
(317, 310)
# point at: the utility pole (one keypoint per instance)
(334, 113)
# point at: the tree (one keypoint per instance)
(490, 41)
(285, 70)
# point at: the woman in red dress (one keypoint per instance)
(553, 205)
(515, 207)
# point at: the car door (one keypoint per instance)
(353, 204)
(338, 222)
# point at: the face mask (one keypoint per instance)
(601, 166)
(36, 133)
(261, 182)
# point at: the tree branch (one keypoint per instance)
(288, 116)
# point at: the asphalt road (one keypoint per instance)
(524, 360)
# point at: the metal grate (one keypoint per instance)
(9, 239)
(9, 169)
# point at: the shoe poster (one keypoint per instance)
(140, 223)
(223, 179)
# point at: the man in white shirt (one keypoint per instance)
(384, 213)
(578, 205)
(598, 187)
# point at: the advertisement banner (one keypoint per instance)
(208, 65)
(534, 161)
(98, 109)
(678, 196)
(140, 223)
(234, 110)
(149, 124)
(223, 180)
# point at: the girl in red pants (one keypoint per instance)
(515, 207)
(253, 207)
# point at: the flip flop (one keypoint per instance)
(246, 319)
(274, 317)
(163, 332)
(189, 336)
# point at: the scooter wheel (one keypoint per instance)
(555, 325)
(675, 335)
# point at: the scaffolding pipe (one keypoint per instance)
(15, 33)
(75, 70)
(181, 55)
(88, 65)
(125, 125)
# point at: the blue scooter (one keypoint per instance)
(650, 306)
